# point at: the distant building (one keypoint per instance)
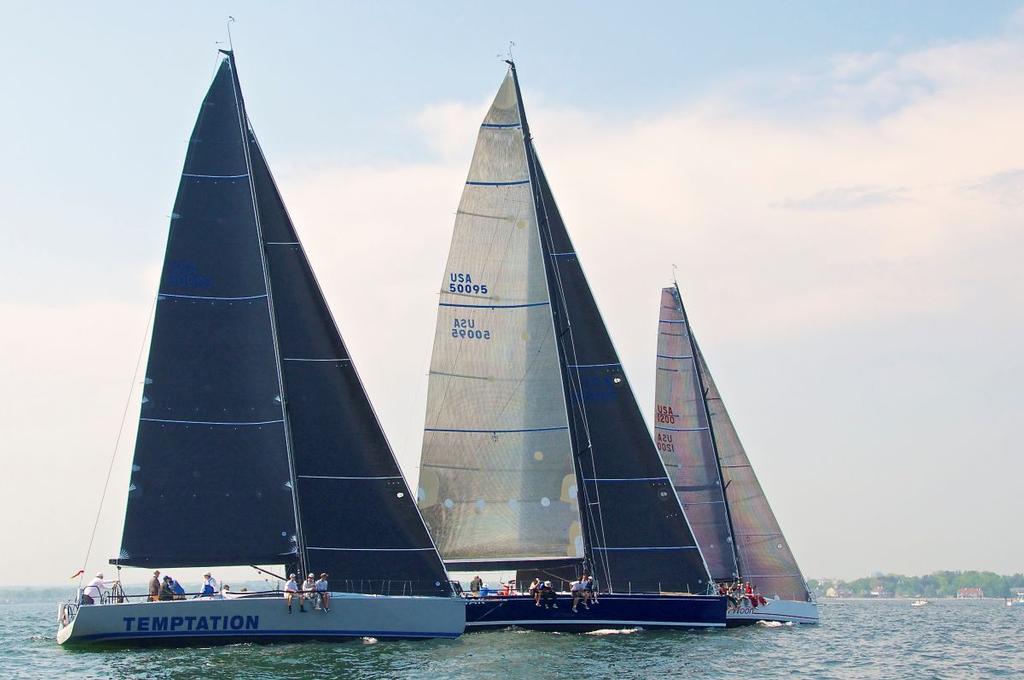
(970, 593)
(880, 591)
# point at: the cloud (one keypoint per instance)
(847, 198)
(1006, 188)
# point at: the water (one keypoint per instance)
(856, 639)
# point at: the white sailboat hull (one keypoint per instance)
(264, 619)
(783, 611)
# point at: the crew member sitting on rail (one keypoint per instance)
(176, 588)
(95, 588)
(534, 591)
(209, 588)
(475, 585)
(165, 593)
(547, 596)
(579, 593)
(309, 589)
(323, 594)
(291, 591)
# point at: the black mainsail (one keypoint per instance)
(728, 509)
(535, 447)
(257, 443)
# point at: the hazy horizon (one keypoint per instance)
(841, 187)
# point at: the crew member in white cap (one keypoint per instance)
(95, 589)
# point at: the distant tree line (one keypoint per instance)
(937, 584)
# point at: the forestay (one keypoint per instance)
(684, 439)
(496, 480)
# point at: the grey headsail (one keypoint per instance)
(210, 483)
(358, 517)
(496, 480)
(536, 407)
(763, 555)
(684, 437)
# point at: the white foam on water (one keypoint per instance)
(614, 631)
(369, 640)
(774, 624)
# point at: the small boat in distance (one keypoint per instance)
(536, 457)
(920, 602)
(737, 531)
(257, 444)
(1017, 600)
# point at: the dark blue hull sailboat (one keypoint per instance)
(536, 457)
(647, 611)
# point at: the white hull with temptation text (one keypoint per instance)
(263, 618)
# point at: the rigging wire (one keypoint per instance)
(117, 441)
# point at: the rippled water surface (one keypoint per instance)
(857, 639)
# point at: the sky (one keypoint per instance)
(841, 186)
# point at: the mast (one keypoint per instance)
(586, 516)
(243, 124)
(621, 474)
(711, 427)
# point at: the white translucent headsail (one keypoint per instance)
(684, 440)
(496, 477)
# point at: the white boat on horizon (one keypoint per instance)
(920, 602)
(257, 444)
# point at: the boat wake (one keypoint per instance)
(774, 624)
(614, 631)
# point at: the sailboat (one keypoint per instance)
(257, 444)
(727, 508)
(536, 457)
